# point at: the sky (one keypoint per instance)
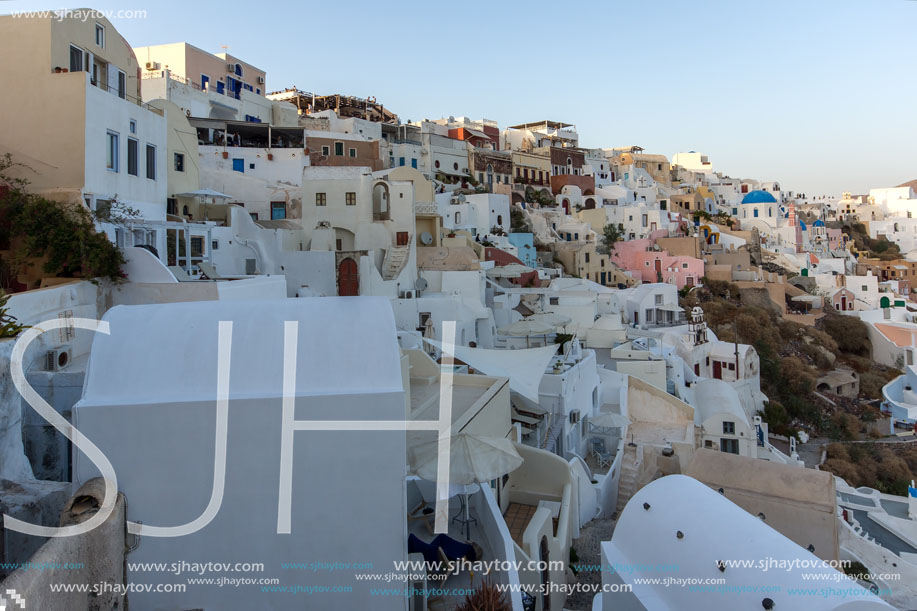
(816, 94)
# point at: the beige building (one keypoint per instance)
(656, 166)
(583, 260)
(532, 168)
(204, 71)
(799, 503)
(74, 117)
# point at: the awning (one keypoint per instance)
(524, 367)
(670, 307)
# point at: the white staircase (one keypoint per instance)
(396, 257)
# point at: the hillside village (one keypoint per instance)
(638, 359)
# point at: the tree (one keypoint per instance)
(611, 235)
(63, 234)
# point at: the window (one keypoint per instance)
(179, 161)
(554, 300)
(205, 82)
(278, 211)
(350, 198)
(353, 152)
(254, 215)
(151, 162)
(133, 126)
(133, 149)
(197, 246)
(339, 149)
(76, 59)
(326, 151)
(214, 245)
(436, 163)
(729, 428)
(455, 166)
(122, 79)
(100, 35)
(587, 257)
(401, 161)
(238, 69)
(111, 161)
(320, 199)
(414, 163)
(730, 446)
(171, 206)
(238, 165)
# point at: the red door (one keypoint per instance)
(348, 278)
(717, 370)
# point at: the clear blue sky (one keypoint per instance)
(819, 94)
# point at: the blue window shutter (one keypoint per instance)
(238, 165)
(414, 163)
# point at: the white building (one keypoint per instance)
(159, 431)
(656, 538)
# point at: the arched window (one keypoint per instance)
(436, 163)
(499, 219)
(458, 218)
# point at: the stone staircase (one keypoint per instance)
(396, 257)
(628, 481)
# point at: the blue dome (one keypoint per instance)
(759, 197)
(818, 223)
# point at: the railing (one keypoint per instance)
(425, 208)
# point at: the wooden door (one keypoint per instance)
(348, 278)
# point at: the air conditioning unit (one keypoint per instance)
(58, 358)
(230, 68)
(260, 80)
(406, 295)
(152, 65)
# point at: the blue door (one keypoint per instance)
(205, 81)
(238, 165)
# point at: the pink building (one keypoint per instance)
(651, 265)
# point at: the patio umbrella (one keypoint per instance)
(513, 270)
(526, 327)
(610, 420)
(473, 459)
(549, 318)
(205, 193)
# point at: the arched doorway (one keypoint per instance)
(381, 202)
(348, 278)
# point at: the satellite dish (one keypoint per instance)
(426, 238)
(420, 284)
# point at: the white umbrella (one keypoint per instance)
(550, 318)
(526, 327)
(472, 459)
(205, 193)
(610, 420)
(513, 270)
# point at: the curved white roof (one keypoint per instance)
(714, 529)
(167, 353)
(713, 397)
